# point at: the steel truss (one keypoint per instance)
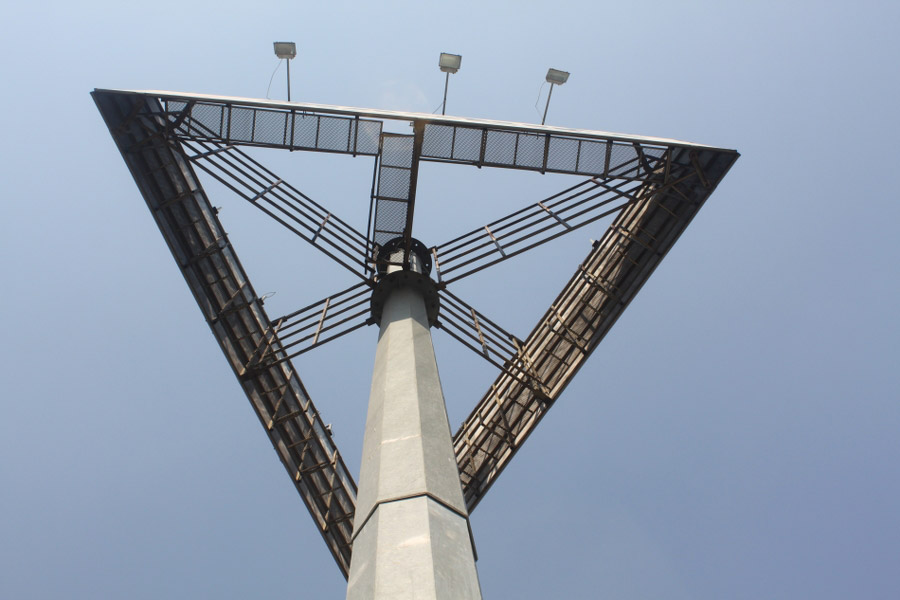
(235, 314)
(651, 188)
(597, 294)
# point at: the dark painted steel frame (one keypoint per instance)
(660, 188)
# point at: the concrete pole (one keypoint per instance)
(411, 537)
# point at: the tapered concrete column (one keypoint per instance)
(411, 533)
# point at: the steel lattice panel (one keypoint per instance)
(393, 196)
(543, 152)
(297, 130)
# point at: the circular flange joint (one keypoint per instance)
(417, 279)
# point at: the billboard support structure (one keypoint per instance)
(647, 189)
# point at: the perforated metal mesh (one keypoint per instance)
(530, 150)
(367, 135)
(334, 133)
(591, 156)
(277, 128)
(438, 142)
(538, 151)
(397, 151)
(622, 157)
(306, 130)
(391, 220)
(393, 183)
(394, 180)
(563, 153)
(272, 126)
(208, 113)
(240, 126)
(500, 148)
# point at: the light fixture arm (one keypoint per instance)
(444, 104)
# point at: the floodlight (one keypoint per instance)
(449, 63)
(286, 50)
(557, 77)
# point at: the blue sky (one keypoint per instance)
(735, 435)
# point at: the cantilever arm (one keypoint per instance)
(235, 315)
(536, 224)
(487, 339)
(325, 320)
(571, 329)
(283, 202)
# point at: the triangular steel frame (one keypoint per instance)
(650, 187)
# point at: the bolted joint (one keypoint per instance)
(392, 257)
(398, 268)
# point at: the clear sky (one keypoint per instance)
(735, 435)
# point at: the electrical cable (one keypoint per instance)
(280, 60)
(540, 91)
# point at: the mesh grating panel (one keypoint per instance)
(467, 144)
(208, 116)
(334, 134)
(397, 151)
(271, 127)
(591, 157)
(537, 151)
(306, 129)
(563, 154)
(655, 153)
(501, 145)
(530, 150)
(280, 128)
(393, 183)
(438, 141)
(390, 220)
(241, 124)
(368, 136)
(500, 148)
(394, 186)
(622, 158)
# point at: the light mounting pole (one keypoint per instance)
(448, 63)
(554, 77)
(286, 51)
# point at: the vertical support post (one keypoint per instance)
(411, 535)
(289, 79)
(546, 106)
(446, 83)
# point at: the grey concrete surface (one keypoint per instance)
(411, 536)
